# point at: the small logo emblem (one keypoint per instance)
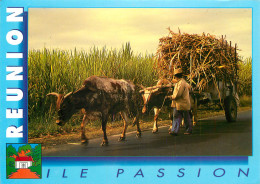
(23, 161)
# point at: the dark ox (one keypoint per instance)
(157, 98)
(100, 97)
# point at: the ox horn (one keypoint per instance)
(155, 90)
(53, 93)
(142, 88)
(68, 94)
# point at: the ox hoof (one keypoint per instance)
(155, 131)
(121, 139)
(104, 143)
(138, 135)
(84, 141)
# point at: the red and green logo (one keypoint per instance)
(23, 161)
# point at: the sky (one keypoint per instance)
(113, 27)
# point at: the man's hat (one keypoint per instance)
(177, 71)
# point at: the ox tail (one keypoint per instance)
(136, 119)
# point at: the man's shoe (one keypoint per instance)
(187, 133)
(173, 134)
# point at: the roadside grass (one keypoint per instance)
(245, 101)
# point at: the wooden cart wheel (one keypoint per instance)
(230, 109)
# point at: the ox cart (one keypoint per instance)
(209, 65)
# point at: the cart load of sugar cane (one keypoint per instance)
(203, 58)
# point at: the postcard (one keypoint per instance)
(129, 91)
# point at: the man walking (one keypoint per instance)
(181, 100)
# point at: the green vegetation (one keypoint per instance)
(245, 82)
(37, 161)
(35, 153)
(37, 169)
(245, 77)
(64, 71)
(10, 151)
(10, 161)
(25, 148)
(245, 101)
(10, 167)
